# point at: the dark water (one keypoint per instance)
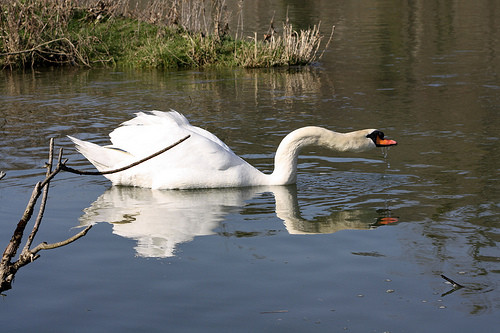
(318, 256)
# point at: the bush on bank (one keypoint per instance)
(163, 34)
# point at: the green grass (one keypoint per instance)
(35, 33)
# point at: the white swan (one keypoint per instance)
(204, 161)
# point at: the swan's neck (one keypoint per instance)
(285, 169)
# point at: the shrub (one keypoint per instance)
(163, 34)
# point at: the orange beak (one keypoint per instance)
(385, 142)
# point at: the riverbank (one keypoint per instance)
(164, 34)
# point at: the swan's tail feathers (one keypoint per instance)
(103, 158)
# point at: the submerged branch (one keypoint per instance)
(453, 283)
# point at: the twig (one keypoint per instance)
(274, 311)
(41, 210)
(9, 269)
(99, 173)
(34, 48)
(11, 249)
(39, 46)
(453, 283)
(45, 246)
(328, 42)
(31, 255)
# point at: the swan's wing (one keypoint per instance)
(184, 123)
(150, 132)
(200, 161)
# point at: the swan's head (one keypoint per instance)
(358, 141)
(379, 139)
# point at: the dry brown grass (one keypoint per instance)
(161, 33)
(291, 47)
(210, 18)
(36, 31)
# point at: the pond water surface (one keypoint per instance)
(359, 244)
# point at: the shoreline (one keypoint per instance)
(108, 33)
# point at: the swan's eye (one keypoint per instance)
(373, 135)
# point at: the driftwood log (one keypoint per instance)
(9, 268)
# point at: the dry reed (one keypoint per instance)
(291, 47)
(172, 33)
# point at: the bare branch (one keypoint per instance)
(45, 246)
(33, 48)
(11, 249)
(29, 256)
(99, 173)
(38, 48)
(9, 269)
(41, 210)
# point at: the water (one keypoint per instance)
(358, 244)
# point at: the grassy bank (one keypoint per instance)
(163, 34)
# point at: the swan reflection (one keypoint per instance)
(159, 220)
